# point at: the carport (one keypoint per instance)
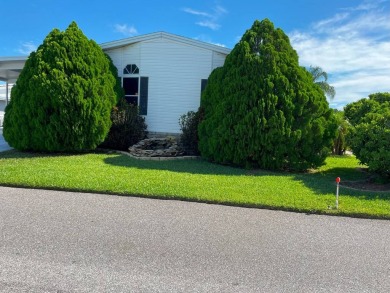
(10, 68)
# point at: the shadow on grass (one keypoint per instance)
(197, 166)
(320, 182)
(192, 166)
(15, 154)
(324, 182)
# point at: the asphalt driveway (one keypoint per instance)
(73, 242)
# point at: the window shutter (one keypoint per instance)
(143, 99)
(203, 85)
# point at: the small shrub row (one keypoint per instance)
(189, 137)
(128, 127)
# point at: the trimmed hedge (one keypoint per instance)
(63, 97)
(128, 127)
(261, 109)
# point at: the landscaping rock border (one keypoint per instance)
(158, 149)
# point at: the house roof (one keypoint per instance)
(10, 67)
(164, 35)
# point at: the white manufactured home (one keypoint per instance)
(3, 99)
(10, 68)
(4, 93)
(163, 74)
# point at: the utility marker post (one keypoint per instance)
(337, 192)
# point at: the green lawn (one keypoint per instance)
(197, 180)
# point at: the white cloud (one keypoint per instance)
(366, 5)
(208, 19)
(207, 39)
(331, 21)
(196, 12)
(218, 44)
(353, 48)
(210, 24)
(219, 10)
(27, 47)
(126, 30)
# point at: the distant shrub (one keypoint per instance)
(370, 142)
(369, 137)
(128, 127)
(189, 137)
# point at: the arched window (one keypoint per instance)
(135, 87)
(131, 69)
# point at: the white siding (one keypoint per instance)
(175, 71)
(123, 56)
(218, 59)
(2, 107)
(3, 99)
(131, 55)
(116, 56)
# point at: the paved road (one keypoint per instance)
(72, 242)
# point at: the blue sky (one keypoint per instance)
(349, 39)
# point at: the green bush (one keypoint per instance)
(356, 112)
(262, 109)
(189, 137)
(370, 143)
(128, 127)
(63, 97)
(369, 138)
(119, 91)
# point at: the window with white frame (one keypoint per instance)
(135, 87)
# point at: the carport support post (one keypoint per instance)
(6, 93)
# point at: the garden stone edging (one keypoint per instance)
(160, 158)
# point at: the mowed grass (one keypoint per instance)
(197, 180)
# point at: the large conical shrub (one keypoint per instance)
(262, 109)
(63, 97)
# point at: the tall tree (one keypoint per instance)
(262, 109)
(320, 77)
(63, 97)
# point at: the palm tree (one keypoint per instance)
(340, 143)
(319, 74)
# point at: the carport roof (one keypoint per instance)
(10, 67)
